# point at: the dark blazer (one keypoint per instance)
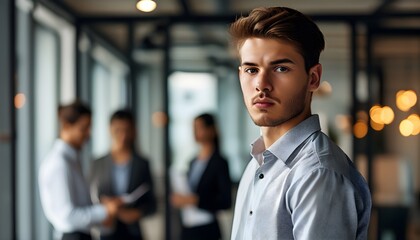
(214, 193)
(214, 187)
(101, 184)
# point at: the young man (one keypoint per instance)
(64, 192)
(299, 184)
(120, 172)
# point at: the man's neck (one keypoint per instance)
(121, 155)
(272, 134)
(67, 139)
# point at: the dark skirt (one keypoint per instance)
(124, 232)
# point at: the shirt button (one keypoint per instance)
(261, 176)
(250, 212)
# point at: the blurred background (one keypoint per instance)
(174, 62)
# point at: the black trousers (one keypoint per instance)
(206, 232)
(124, 232)
(76, 236)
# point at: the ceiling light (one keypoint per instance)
(146, 5)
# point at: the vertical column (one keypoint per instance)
(7, 121)
(77, 58)
(354, 68)
(131, 86)
(25, 155)
(371, 89)
(167, 156)
(83, 65)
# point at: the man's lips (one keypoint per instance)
(263, 103)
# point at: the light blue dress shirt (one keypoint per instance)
(121, 177)
(64, 192)
(302, 187)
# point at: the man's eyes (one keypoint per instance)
(281, 69)
(251, 70)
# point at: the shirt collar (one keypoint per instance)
(71, 152)
(285, 145)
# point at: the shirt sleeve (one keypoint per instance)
(322, 205)
(56, 198)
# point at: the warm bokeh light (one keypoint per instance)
(406, 99)
(387, 115)
(362, 116)
(343, 122)
(403, 103)
(20, 100)
(406, 127)
(374, 107)
(375, 114)
(159, 119)
(376, 126)
(415, 120)
(412, 97)
(399, 93)
(324, 89)
(146, 5)
(360, 129)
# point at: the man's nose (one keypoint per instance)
(263, 82)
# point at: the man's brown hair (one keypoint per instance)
(71, 113)
(281, 23)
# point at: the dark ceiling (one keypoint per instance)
(198, 27)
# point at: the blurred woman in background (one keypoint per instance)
(209, 182)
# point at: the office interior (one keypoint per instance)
(175, 62)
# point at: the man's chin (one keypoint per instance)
(265, 122)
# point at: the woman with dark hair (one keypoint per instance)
(209, 181)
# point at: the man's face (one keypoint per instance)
(122, 133)
(79, 131)
(274, 82)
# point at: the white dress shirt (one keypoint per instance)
(301, 187)
(64, 192)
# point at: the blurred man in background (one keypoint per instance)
(64, 192)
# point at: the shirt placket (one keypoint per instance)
(259, 186)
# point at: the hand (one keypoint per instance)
(180, 200)
(129, 215)
(112, 204)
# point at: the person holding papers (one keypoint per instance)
(125, 174)
(63, 190)
(209, 184)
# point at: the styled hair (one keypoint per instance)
(71, 113)
(123, 114)
(210, 121)
(284, 24)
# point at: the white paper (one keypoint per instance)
(191, 215)
(136, 194)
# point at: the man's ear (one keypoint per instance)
(315, 77)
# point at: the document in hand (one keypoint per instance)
(191, 216)
(136, 194)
